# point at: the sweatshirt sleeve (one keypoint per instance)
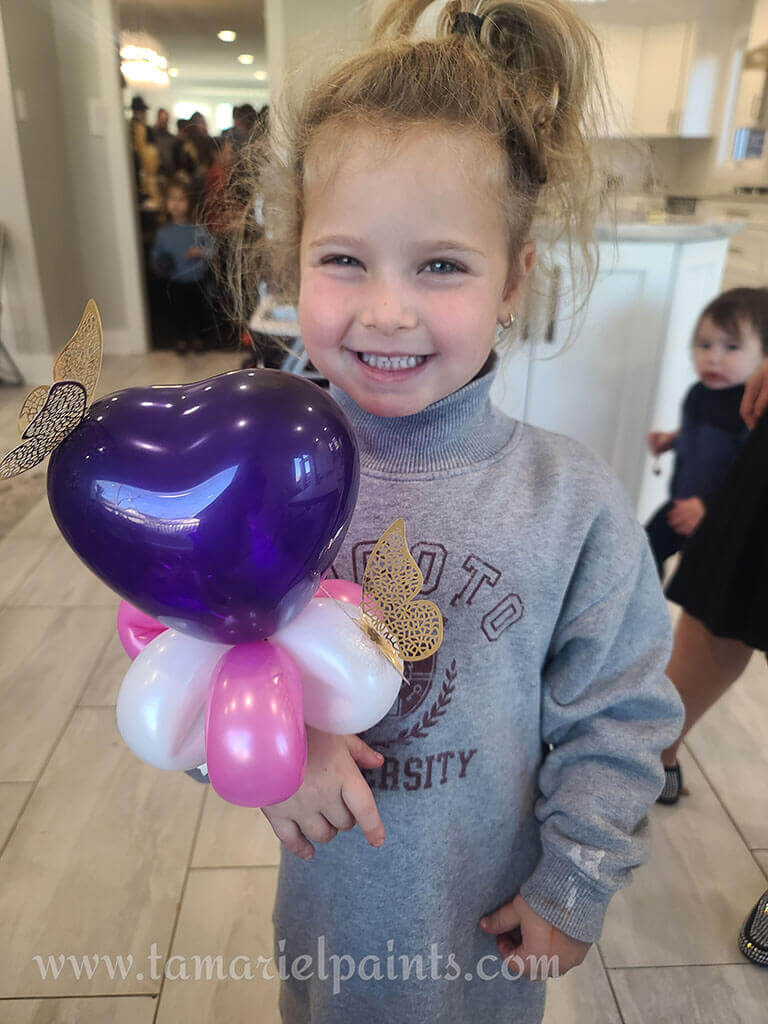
(608, 711)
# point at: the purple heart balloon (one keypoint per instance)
(214, 507)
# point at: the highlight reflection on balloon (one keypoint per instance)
(136, 629)
(161, 704)
(341, 590)
(348, 684)
(255, 740)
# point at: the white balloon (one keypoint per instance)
(161, 704)
(348, 684)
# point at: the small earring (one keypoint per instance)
(506, 324)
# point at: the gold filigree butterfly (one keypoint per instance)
(405, 629)
(49, 414)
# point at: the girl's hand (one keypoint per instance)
(755, 400)
(660, 441)
(194, 253)
(685, 515)
(333, 796)
(522, 933)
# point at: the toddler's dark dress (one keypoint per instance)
(722, 579)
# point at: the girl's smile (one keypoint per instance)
(404, 267)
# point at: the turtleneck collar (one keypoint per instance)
(461, 429)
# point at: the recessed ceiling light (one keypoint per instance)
(245, 58)
(261, 75)
(227, 35)
(173, 72)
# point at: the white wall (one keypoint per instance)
(23, 327)
(302, 35)
(41, 300)
(102, 184)
(67, 199)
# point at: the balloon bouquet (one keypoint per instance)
(215, 510)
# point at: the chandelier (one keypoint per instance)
(142, 60)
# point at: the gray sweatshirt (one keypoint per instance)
(522, 758)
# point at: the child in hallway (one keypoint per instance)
(729, 341)
(519, 765)
(180, 253)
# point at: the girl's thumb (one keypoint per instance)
(362, 754)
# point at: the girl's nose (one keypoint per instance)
(387, 310)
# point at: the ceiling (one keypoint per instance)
(187, 30)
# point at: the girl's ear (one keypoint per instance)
(517, 280)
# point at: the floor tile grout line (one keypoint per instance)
(54, 746)
(180, 902)
(710, 783)
(233, 867)
(85, 995)
(610, 985)
(745, 964)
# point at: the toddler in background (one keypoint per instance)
(730, 339)
(180, 253)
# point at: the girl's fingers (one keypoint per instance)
(505, 919)
(358, 797)
(292, 838)
(318, 828)
(362, 754)
(340, 817)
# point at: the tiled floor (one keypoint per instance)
(101, 853)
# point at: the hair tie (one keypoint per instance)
(468, 24)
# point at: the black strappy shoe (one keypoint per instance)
(753, 937)
(673, 785)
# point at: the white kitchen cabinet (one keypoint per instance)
(664, 62)
(626, 367)
(666, 79)
(622, 49)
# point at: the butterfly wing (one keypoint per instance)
(391, 581)
(80, 359)
(31, 406)
(63, 410)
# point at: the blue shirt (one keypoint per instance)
(170, 248)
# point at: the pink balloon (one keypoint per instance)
(341, 590)
(255, 740)
(136, 629)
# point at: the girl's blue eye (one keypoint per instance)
(444, 267)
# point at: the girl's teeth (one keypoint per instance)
(391, 362)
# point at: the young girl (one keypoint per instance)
(727, 349)
(180, 253)
(517, 766)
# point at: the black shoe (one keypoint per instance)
(753, 937)
(673, 785)
(198, 775)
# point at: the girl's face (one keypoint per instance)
(404, 269)
(723, 360)
(177, 204)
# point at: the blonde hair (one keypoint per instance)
(529, 82)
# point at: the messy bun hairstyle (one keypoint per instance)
(525, 77)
